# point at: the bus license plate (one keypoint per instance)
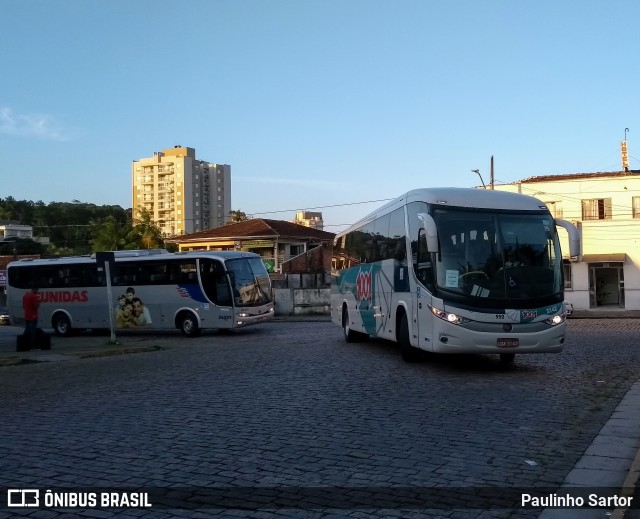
(507, 343)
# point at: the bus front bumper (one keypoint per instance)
(247, 317)
(448, 338)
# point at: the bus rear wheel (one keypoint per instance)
(188, 324)
(61, 325)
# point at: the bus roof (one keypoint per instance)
(460, 197)
(134, 256)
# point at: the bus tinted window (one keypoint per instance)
(215, 282)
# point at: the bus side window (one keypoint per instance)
(142, 276)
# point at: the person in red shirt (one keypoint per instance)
(30, 305)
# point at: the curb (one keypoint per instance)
(120, 351)
(11, 361)
(15, 361)
(629, 486)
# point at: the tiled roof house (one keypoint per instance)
(275, 240)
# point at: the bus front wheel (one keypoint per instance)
(188, 325)
(409, 353)
(61, 325)
(507, 358)
(349, 334)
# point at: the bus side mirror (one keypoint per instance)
(575, 249)
(430, 230)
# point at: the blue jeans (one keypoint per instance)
(30, 329)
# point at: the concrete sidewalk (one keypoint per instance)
(79, 346)
(611, 462)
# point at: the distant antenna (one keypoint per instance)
(623, 151)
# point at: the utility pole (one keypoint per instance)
(491, 176)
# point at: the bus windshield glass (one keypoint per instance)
(250, 281)
(497, 256)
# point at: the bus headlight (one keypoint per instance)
(449, 317)
(556, 319)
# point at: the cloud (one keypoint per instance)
(30, 125)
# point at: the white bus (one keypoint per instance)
(454, 270)
(150, 289)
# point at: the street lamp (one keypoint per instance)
(477, 171)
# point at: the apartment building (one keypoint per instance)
(309, 219)
(183, 194)
(606, 209)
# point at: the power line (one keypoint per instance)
(323, 207)
(564, 196)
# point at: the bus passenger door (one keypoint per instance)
(423, 318)
(215, 282)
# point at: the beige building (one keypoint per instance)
(309, 219)
(606, 209)
(183, 194)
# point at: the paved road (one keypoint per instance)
(292, 407)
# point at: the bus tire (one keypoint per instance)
(188, 324)
(349, 334)
(409, 353)
(507, 358)
(61, 325)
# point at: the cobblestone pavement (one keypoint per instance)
(292, 407)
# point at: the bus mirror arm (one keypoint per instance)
(431, 231)
(575, 248)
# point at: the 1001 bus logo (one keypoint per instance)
(364, 288)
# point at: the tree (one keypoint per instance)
(237, 216)
(21, 246)
(110, 234)
(70, 226)
(145, 232)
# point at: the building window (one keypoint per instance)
(635, 204)
(596, 209)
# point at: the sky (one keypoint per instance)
(326, 105)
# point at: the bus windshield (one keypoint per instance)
(497, 256)
(250, 281)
